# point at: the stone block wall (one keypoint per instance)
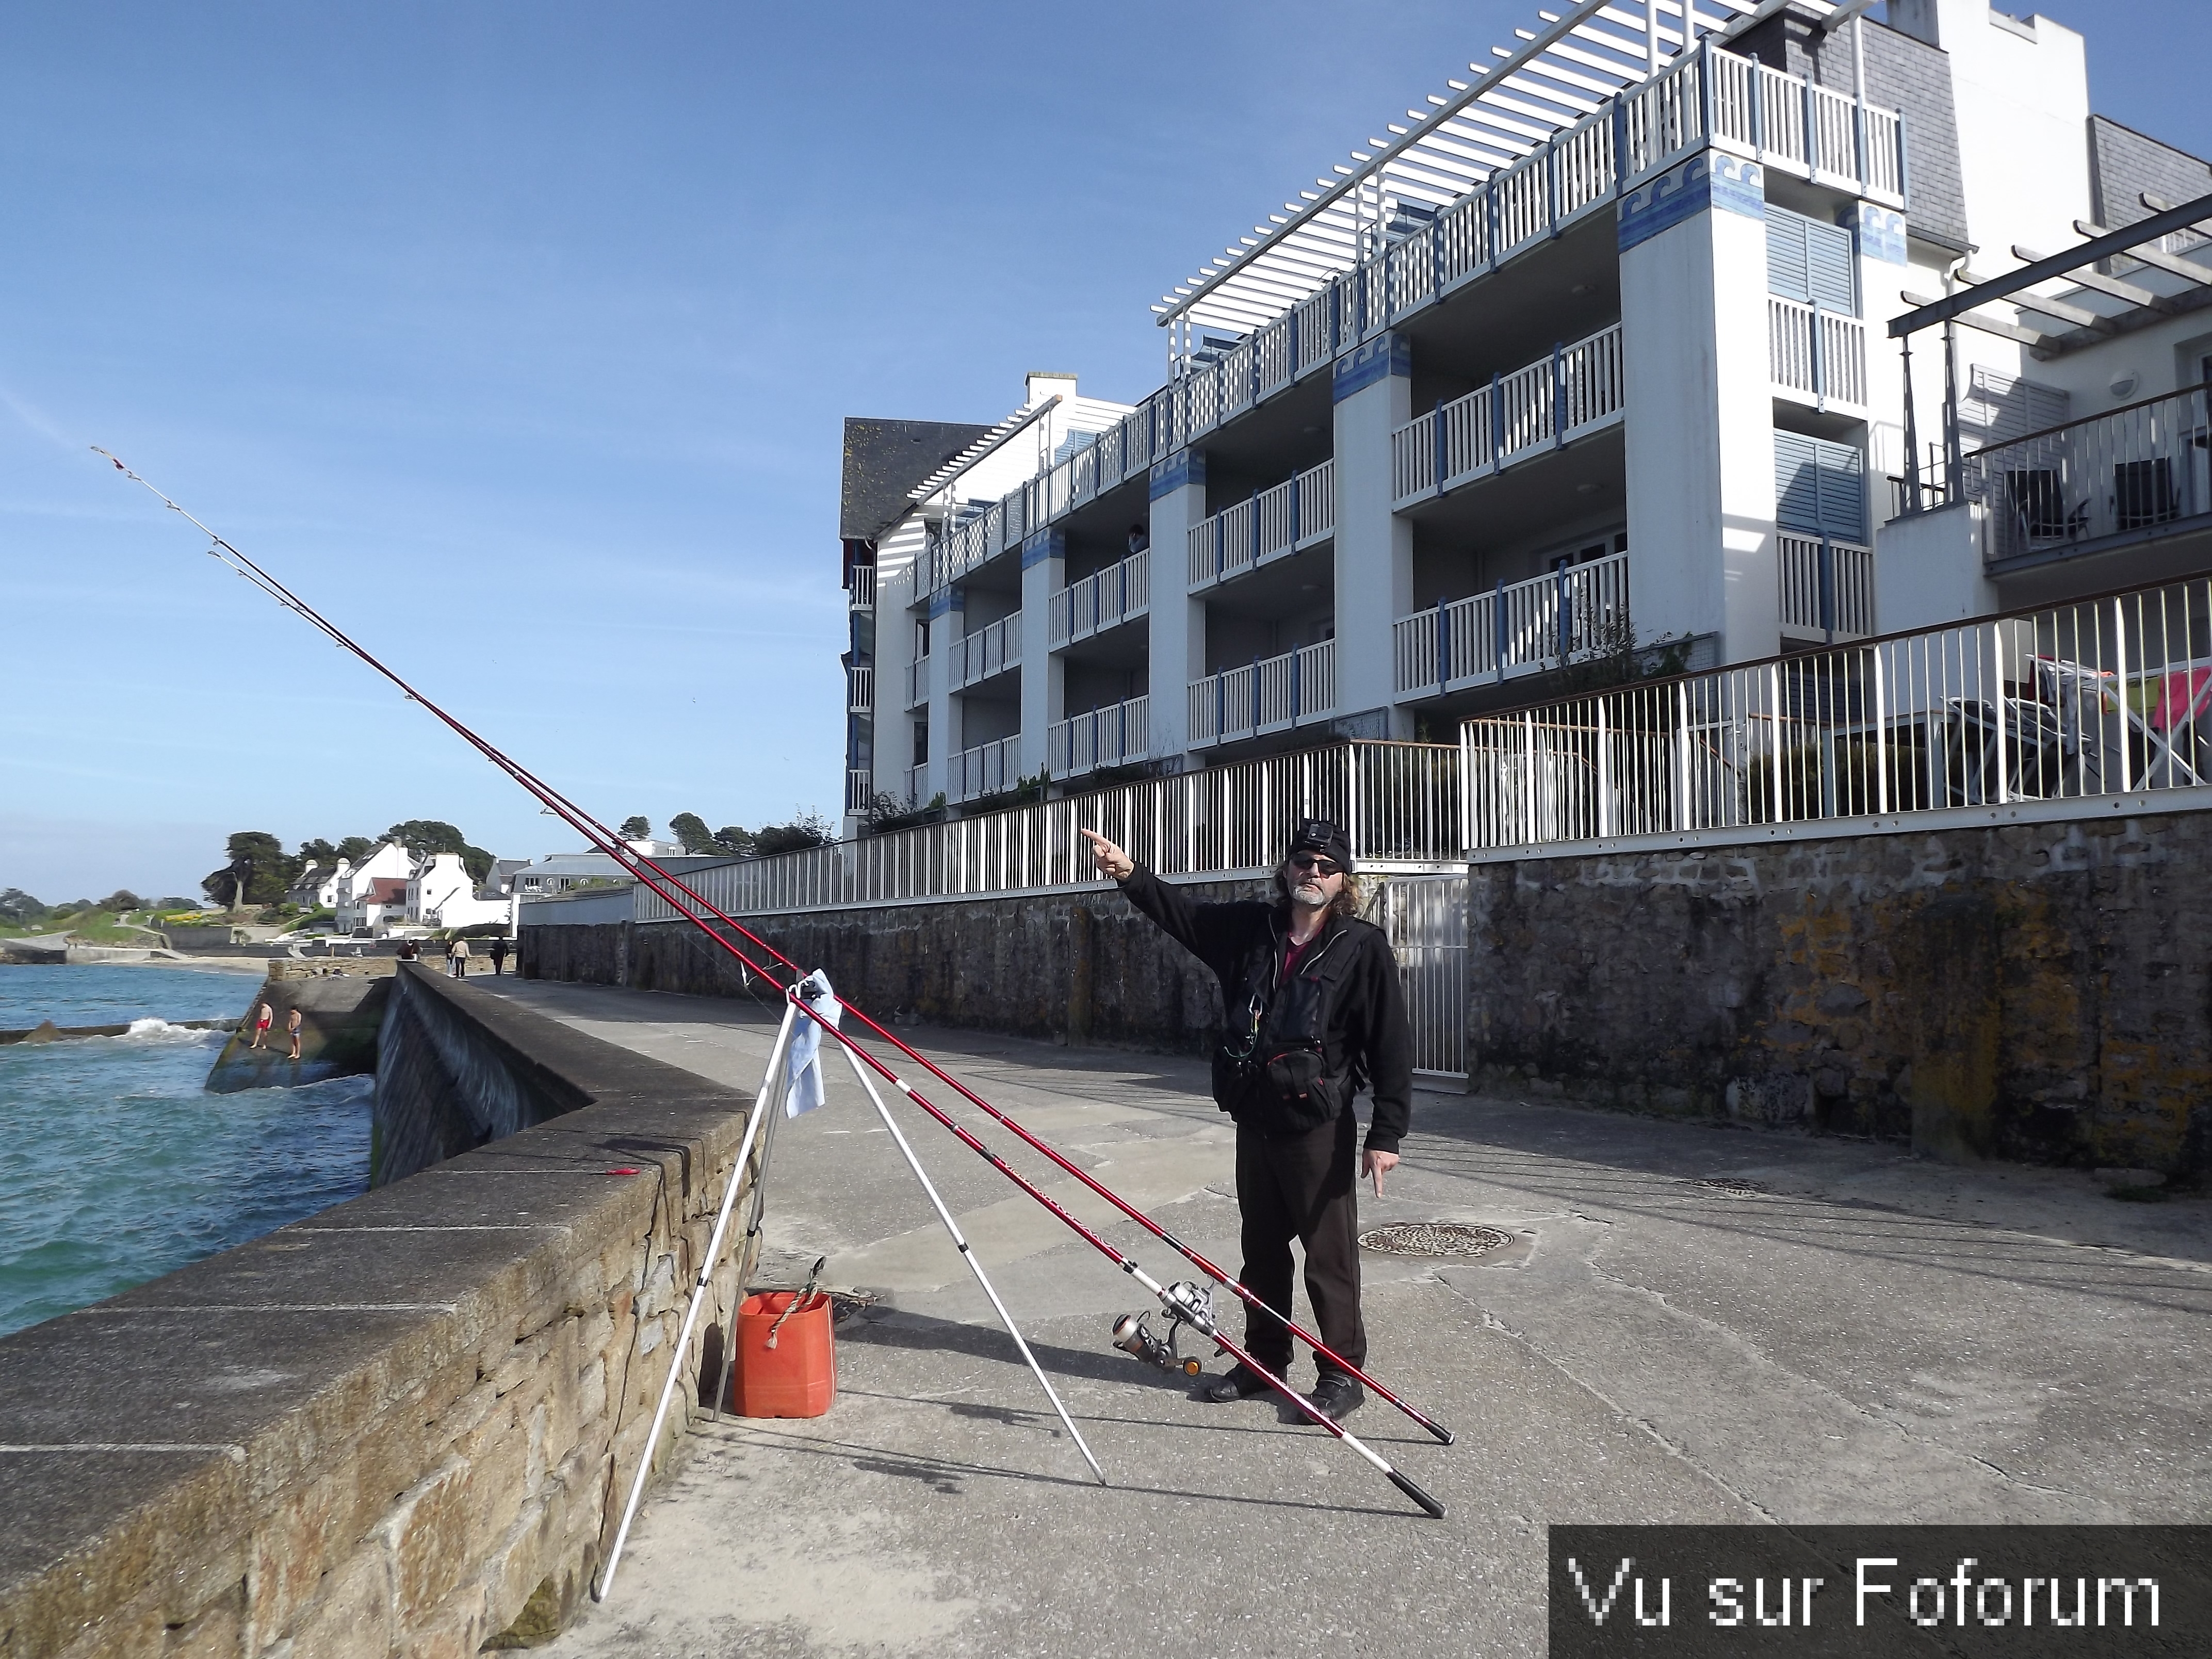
(1082, 966)
(2041, 992)
(401, 1429)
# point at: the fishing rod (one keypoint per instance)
(661, 881)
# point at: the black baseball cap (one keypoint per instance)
(1320, 835)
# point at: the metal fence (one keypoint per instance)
(2106, 696)
(1397, 801)
(1426, 917)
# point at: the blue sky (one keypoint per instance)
(518, 338)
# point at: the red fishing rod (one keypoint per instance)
(1186, 1309)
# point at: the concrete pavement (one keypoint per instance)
(1845, 1334)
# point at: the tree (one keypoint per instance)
(690, 831)
(478, 863)
(18, 909)
(423, 837)
(122, 899)
(354, 848)
(735, 840)
(807, 829)
(638, 828)
(259, 872)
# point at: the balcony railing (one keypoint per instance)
(860, 788)
(1828, 588)
(1118, 734)
(2133, 470)
(1576, 391)
(1271, 695)
(917, 682)
(1709, 98)
(984, 770)
(860, 689)
(917, 779)
(989, 650)
(1518, 628)
(1296, 513)
(2103, 698)
(1816, 354)
(1102, 599)
(862, 592)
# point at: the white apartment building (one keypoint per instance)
(1592, 352)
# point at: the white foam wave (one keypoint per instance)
(160, 1031)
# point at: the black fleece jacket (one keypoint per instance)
(1367, 1017)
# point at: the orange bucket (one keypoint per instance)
(798, 1377)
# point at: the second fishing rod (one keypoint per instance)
(661, 881)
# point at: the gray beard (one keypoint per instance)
(1307, 897)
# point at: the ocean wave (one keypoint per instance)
(160, 1031)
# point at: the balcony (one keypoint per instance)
(917, 779)
(2134, 474)
(989, 650)
(917, 682)
(1786, 122)
(1828, 588)
(1117, 735)
(1517, 628)
(861, 596)
(860, 788)
(860, 689)
(984, 770)
(1816, 356)
(1294, 515)
(1119, 593)
(1575, 392)
(1272, 694)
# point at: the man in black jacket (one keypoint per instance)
(1313, 1003)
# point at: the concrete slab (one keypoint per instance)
(1843, 1334)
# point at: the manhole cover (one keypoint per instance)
(1434, 1238)
(1733, 1187)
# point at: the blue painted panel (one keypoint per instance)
(1041, 545)
(945, 599)
(1710, 180)
(1185, 467)
(1379, 359)
(1881, 233)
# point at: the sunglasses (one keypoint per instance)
(1315, 861)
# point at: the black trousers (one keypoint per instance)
(1303, 1186)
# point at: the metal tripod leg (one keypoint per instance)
(771, 1100)
(967, 1255)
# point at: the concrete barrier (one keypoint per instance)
(403, 1426)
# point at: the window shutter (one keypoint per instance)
(1820, 487)
(1788, 266)
(1843, 492)
(1832, 262)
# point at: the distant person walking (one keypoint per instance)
(263, 1017)
(407, 950)
(498, 956)
(457, 959)
(292, 1022)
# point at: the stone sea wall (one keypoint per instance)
(404, 1426)
(1080, 967)
(2039, 991)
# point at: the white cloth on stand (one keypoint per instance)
(803, 1065)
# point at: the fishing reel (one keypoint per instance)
(1188, 1304)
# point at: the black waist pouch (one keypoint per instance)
(1300, 1094)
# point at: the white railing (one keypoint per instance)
(1118, 734)
(917, 682)
(985, 769)
(863, 588)
(860, 788)
(991, 649)
(1102, 599)
(1828, 587)
(917, 777)
(1398, 804)
(1579, 389)
(1818, 354)
(860, 689)
(2106, 697)
(1271, 695)
(2131, 470)
(1761, 113)
(1516, 628)
(1296, 513)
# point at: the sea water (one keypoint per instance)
(116, 1166)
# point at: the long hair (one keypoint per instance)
(1348, 904)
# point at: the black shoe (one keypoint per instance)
(1238, 1383)
(1338, 1396)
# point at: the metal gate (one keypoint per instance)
(1426, 917)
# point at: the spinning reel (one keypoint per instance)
(1189, 1305)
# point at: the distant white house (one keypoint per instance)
(371, 893)
(318, 884)
(443, 894)
(392, 888)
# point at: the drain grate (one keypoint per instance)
(1434, 1238)
(1733, 1187)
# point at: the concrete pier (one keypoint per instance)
(1689, 1323)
